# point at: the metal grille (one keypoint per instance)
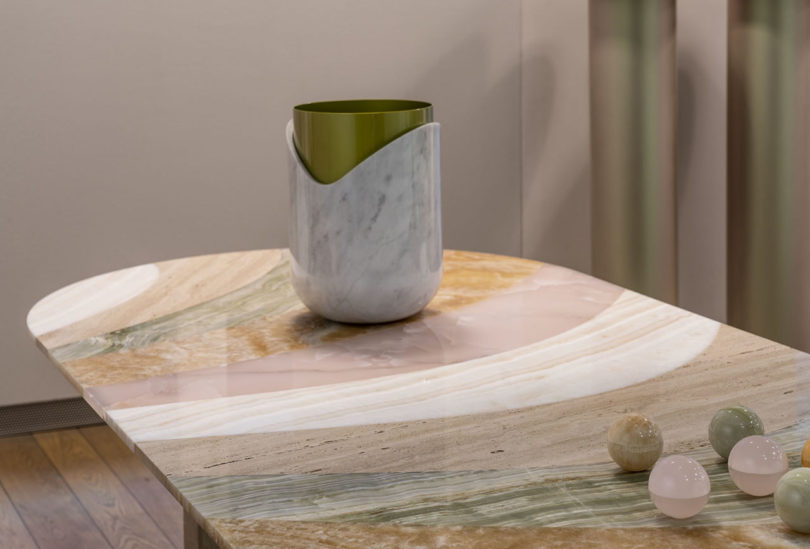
(42, 416)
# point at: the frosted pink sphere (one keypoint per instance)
(679, 486)
(756, 464)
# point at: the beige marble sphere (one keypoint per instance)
(634, 442)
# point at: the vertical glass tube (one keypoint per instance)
(633, 99)
(768, 175)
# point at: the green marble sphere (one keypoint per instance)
(731, 425)
(635, 442)
(792, 499)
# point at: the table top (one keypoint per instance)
(480, 421)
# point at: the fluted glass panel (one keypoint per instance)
(768, 183)
(633, 119)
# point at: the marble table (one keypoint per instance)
(481, 422)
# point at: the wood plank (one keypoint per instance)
(150, 493)
(13, 532)
(116, 512)
(48, 508)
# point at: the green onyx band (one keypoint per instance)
(332, 137)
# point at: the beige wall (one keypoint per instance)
(555, 122)
(702, 156)
(137, 131)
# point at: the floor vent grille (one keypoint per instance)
(43, 416)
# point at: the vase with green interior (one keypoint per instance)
(332, 137)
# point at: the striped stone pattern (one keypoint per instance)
(480, 420)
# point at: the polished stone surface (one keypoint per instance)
(481, 420)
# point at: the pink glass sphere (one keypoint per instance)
(756, 464)
(679, 486)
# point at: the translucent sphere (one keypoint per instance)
(756, 464)
(679, 486)
(635, 442)
(806, 454)
(792, 499)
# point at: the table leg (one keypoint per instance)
(195, 537)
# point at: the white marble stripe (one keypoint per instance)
(634, 340)
(89, 297)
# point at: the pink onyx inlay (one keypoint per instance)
(549, 302)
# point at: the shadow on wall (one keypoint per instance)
(540, 70)
(558, 186)
(482, 146)
(701, 227)
(686, 121)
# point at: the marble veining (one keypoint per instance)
(90, 297)
(553, 434)
(479, 422)
(636, 339)
(267, 295)
(173, 345)
(554, 299)
(368, 247)
(261, 534)
(585, 496)
(180, 284)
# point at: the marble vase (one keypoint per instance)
(368, 248)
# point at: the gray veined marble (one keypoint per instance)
(368, 248)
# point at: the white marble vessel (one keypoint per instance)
(368, 247)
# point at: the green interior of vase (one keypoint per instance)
(332, 137)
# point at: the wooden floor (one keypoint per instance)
(83, 489)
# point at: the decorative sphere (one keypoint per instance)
(731, 425)
(679, 486)
(635, 442)
(806, 454)
(755, 464)
(792, 499)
